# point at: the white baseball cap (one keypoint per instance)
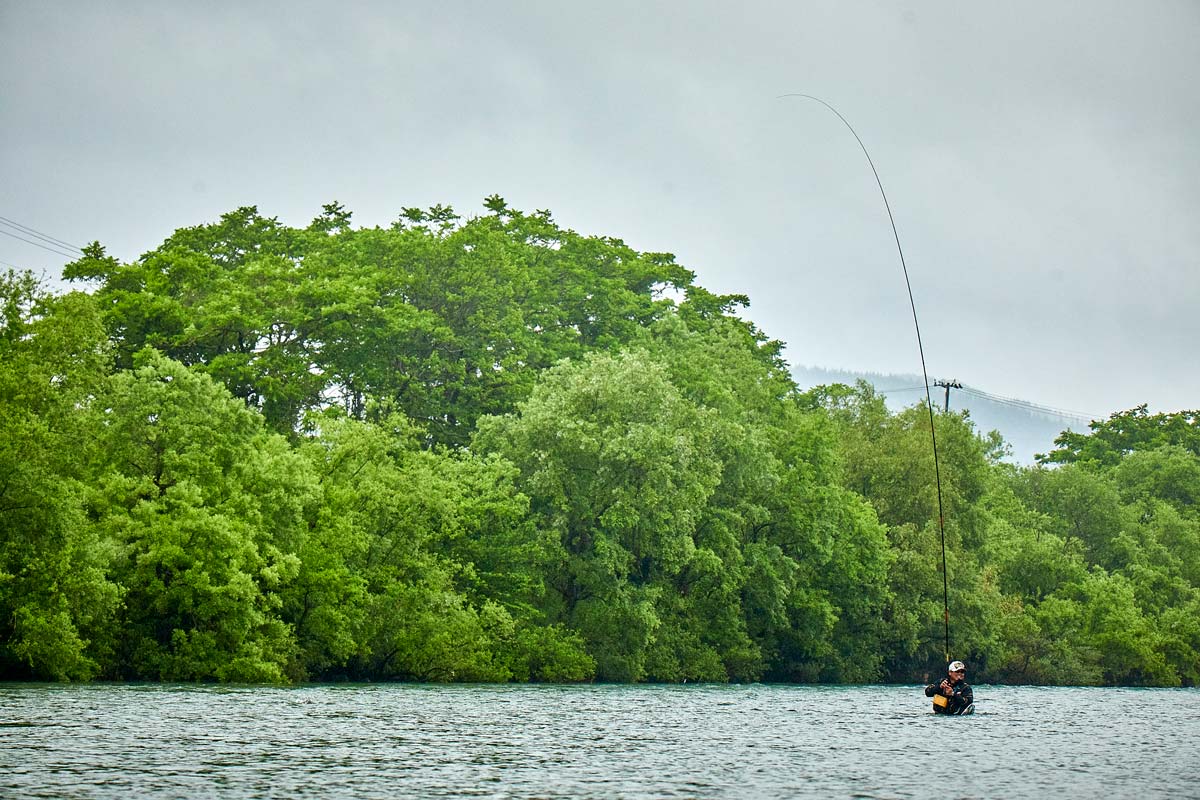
(957, 666)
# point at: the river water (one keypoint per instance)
(388, 741)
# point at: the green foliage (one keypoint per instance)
(421, 565)
(1075, 574)
(700, 537)
(617, 465)
(206, 509)
(1124, 433)
(1170, 473)
(56, 601)
(494, 449)
(445, 319)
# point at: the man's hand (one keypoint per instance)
(947, 689)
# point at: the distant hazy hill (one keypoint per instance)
(1027, 428)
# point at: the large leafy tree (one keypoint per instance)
(701, 532)
(207, 511)
(56, 601)
(233, 298)
(618, 465)
(446, 319)
(422, 565)
(1118, 502)
(806, 559)
(888, 459)
(1110, 440)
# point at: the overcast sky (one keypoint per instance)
(1042, 158)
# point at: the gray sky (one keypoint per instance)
(1041, 158)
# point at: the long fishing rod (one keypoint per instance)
(921, 349)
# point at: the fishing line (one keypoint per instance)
(921, 349)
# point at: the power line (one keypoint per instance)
(1018, 404)
(1062, 412)
(1027, 406)
(39, 234)
(902, 389)
(1023, 405)
(43, 246)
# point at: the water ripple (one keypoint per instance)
(592, 742)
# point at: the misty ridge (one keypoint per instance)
(1027, 428)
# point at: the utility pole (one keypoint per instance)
(950, 384)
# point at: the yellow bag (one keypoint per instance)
(941, 700)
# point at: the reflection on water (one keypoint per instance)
(593, 741)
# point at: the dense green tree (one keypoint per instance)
(427, 567)
(1126, 432)
(888, 459)
(56, 601)
(496, 449)
(207, 511)
(1170, 473)
(446, 319)
(1123, 504)
(617, 464)
(1084, 506)
(701, 534)
(233, 298)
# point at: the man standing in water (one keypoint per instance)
(953, 695)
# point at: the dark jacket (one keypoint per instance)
(958, 702)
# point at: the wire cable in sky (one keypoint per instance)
(1028, 406)
(43, 236)
(1012, 402)
(901, 389)
(39, 244)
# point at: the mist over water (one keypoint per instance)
(106, 741)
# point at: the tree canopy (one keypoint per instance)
(495, 449)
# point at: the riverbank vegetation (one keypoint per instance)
(497, 450)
